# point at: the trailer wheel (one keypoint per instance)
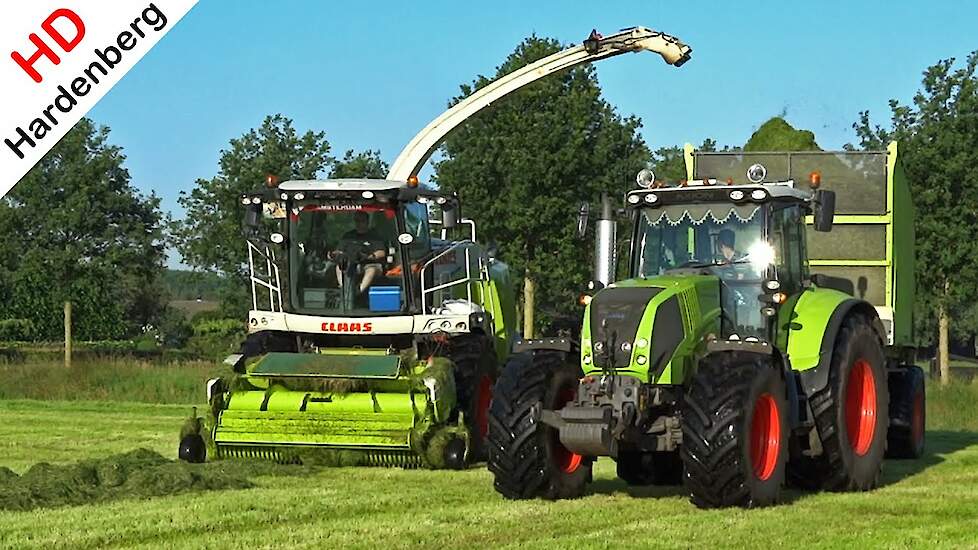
(851, 412)
(908, 414)
(525, 455)
(735, 432)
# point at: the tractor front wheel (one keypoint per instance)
(735, 432)
(851, 413)
(525, 455)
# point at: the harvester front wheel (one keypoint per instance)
(525, 455)
(851, 412)
(475, 376)
(193, 449)
(908, 414)
(734, 420)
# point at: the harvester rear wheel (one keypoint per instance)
(851, 412)
(525, 455)
(908, 414)
(735, 443)
(475, 376)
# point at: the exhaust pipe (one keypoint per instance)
(605, 250)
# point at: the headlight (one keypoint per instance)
(367, 194)
(645, 178)
(758, 194)
(651, 197)
(633, 199)
(760, 254)
(756, 173)
(736, 195)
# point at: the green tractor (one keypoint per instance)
(378, 322)
(375, 335)
(752, 344)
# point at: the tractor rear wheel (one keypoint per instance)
(908, 414)
(525, 455)
(650, 468)
(735, 432)
(851, 412)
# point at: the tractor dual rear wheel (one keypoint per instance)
(735, 428)
(525, 455)
(851, 414)
(908, 414)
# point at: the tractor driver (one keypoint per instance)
(362, 246)
(725, 243)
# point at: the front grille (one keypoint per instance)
(615, 316)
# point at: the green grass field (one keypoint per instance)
(930, 502)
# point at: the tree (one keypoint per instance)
(669, 164)
(367, 164)
(939, 145)
(527, 162)
(76, 230)
(777, 135)
(209, 237)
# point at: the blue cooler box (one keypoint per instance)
(384, 298)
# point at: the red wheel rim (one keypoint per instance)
(565, 460)
(765, 436)
(917, 422)
(861, 406)
(483, 399)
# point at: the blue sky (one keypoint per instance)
(371, 74)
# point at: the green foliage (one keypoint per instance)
(219, 327)
(105, 378)
(12, 330)
(367, 164)
(777, 135)
(76, 229)
(938, 140)
(669, 164)
(191, 285)
(523, 166)
(210, 238)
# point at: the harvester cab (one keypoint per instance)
(759, 337)
(378, 322)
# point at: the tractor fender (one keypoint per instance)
(815, 378)
(767, 353)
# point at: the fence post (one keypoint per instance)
(67, 335)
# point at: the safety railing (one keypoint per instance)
(265, 280)
(473, 269)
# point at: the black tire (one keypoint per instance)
(525, 455)
(850, 462)
(735, 432)
(475, 375)
(908, 414)
(650, 468)
(635, 468)
(192, 449)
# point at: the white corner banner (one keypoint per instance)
(58, 59)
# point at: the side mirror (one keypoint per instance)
(582, 216)
(824, 210)
(449, 217)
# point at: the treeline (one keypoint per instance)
(76, 229)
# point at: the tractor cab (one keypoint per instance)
(749, 235)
